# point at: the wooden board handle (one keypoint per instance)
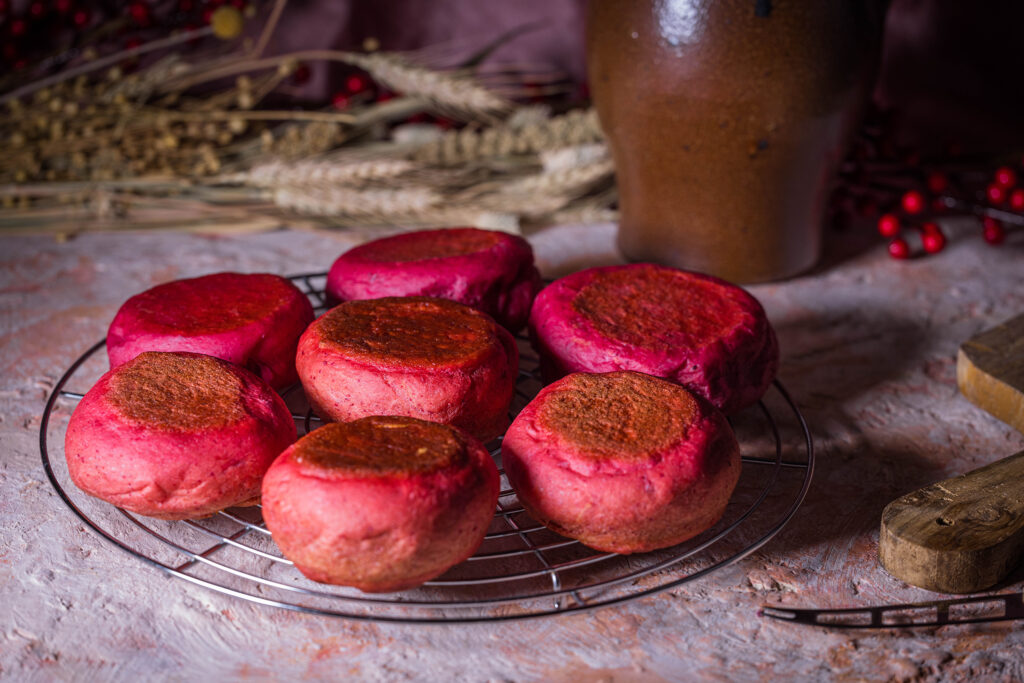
(960, 535)
(990, 371)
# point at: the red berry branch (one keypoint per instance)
(48, 34)
(908, 197)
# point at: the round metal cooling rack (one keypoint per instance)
(521, 570)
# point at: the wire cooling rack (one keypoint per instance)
(521, 570)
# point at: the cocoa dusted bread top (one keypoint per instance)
(178, 391)
(490, 271)
(382, 447)
(417, 331)
(618, 415)
(696, 330)
(211, 303)
(427, 244)
(656, 307)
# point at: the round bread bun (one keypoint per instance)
(250, 320)
(706, 334)
(427, 358)
(623, 462)
(381, 503)
(490, 271)
(176, 435)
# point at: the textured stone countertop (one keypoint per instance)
(868, 351)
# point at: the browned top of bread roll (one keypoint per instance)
(178, 391)
(430, 244)
(212, 303)
(382, 447)
(640, 306)
(621, 415)
(411, 330)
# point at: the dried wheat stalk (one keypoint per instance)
(327, 200)
(571, 181)
(590, 209)
(439, 217)
(454, 92)
(448, 92)
(575, 156)
(576, 127)
(562, 180)
(280, 173)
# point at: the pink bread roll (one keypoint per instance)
(251, 320)
(710, 336)
(427, 358)
(623, 462)
(176, 435)
(492, 272)
(381, 503)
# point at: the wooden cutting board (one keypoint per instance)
(966, 534)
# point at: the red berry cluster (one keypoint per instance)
(939, 193)
(913, 205)
(906, 197)
(34, 29)
(27, 37)
(357, 86)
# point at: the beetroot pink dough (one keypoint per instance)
(176, 435)
(431, 359)
(623, 462)
(381, 503)
(706, 334)
(490, 271)
(250, 320)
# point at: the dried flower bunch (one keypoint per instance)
(189, 141)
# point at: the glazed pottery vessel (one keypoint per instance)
(727, 120)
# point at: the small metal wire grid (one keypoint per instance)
(521, 570)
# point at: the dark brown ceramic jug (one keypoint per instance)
(727, 120)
